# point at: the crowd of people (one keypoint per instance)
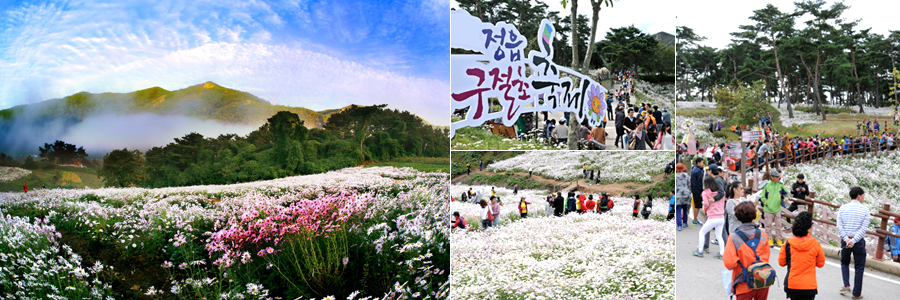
(744, 225)
(555, 205)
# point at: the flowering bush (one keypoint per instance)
(34, 265)
(8, 174)
(565, 165)
(230, 241)
(589, 256)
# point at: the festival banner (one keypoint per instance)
(522, 84)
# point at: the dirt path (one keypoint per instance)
(613, 188)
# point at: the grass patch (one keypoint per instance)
(69, 179)
(828, 110)
(424, 164)
(506, 180)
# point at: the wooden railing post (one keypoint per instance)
(879, 247)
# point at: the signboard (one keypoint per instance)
(752, 135)
(733, 145)
(734, 153)
(522, 84)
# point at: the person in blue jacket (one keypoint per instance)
(697, 187)
(671, 206)
(892, 244)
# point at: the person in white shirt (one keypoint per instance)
(852, 223)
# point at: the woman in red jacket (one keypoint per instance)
(802, 254)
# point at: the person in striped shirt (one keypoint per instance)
(852, 222)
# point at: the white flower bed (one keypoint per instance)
(589, 256)
(619, 166)
(660, 94)
(8, 174)
(833, 178)
(695, 104)
(800, 117)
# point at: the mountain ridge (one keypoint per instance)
(205, 101)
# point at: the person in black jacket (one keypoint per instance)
(620, 126)
(658, 116)
(697, 187)
(570, 202)
(558, 205)
(798, 191)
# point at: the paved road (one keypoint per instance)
(701, 278)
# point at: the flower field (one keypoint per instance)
(620, 166)
(590, 256)
(8, 174)
(832, 179)
(361, 233)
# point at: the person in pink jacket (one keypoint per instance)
(715, 212)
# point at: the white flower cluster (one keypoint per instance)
(800, 117)
(620, 166)
(700, 127)
(587, 256)
(33, 265)
(8, 174)
(662, 95)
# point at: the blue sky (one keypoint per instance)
(314, 54)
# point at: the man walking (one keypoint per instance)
(620, 127)
(798, 191)
(697, 187)
(480, 165)
(773, 195)
(852, 222)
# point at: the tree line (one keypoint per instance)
(625, 48)
(798, 63)
(281, 147)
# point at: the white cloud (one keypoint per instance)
(54, 53)
(716, 27)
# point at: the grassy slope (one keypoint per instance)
(38, 177)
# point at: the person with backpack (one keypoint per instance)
(715, 212)
(773, 195)
(892, 244)
(852, 222)
(802, 254)
(636, 206)
(487, 216)
(495, 210)
(682, 195)
(745, 255)
(523, 207)
(648, 207)
(458, 222)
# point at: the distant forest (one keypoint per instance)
(281, 147)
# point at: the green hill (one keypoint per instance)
(208, 101)
(666, 38)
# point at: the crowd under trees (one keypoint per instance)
(798, 61)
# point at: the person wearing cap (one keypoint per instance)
(892, 244)
(458, 222)
(523, 207)
(799, 190)
(852, 222)
(773, 195)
